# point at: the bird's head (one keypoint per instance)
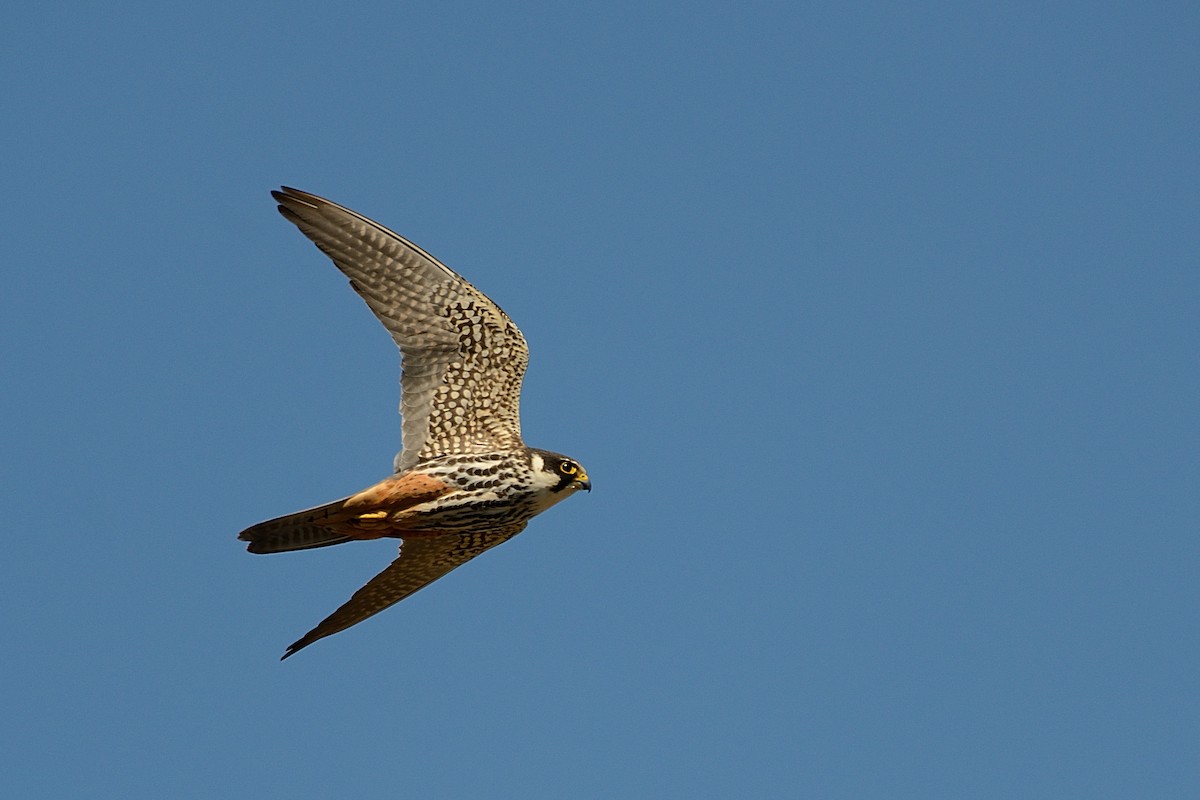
(557, 474)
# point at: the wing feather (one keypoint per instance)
(462, 358)
(422, 560)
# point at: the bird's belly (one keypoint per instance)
(467, 512)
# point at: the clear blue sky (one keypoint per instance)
(876, 329)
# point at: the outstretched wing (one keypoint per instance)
(423, 559)
(462, 358)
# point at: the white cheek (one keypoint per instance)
(544, 480)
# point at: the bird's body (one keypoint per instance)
(464, 481)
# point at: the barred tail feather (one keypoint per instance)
(300, 531)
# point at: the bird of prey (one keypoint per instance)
(464, 481)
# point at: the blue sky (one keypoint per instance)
(875, 327)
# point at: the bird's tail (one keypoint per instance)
(299, 531)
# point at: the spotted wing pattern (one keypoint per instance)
(462, 358)
(422, 560)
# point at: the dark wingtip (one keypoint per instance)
(293, 648)
(290, 199)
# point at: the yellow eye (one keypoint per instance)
(567, 468)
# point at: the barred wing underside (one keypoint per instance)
(462, 358)
(422, 560)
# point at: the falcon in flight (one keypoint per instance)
(464, 481)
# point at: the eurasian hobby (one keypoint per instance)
(464, 481)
